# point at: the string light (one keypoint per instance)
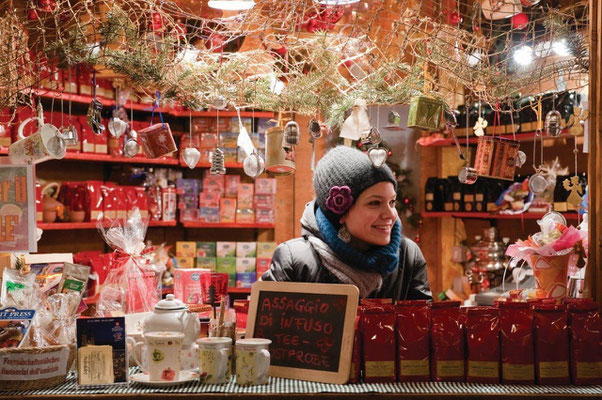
(523, 56)
(231, 5)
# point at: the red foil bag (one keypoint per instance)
(356, 354)
(94, 203)
(551, 344)
(482, 345)
(131, 198)
(378, 325)
(447, 342)
(516, 343)
(121, 203)
(585, 343)
(110, 200)
(142, 201)
(413, 346)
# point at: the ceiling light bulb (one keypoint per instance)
(560, 48)
(231, 5)
(475, 58)
(523, 55)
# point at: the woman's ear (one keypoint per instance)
(342, 219)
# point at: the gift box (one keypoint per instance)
(157, 140)
(264, 201)
(185, 262)
(265, 186)
(209, 214)
(231, 183)
(245, 195)
(207, 262)
(225, 249)
(245, 216)
(263, 216)
(188, 283)
(214, 184)
(496, 157)
(425, 113)
(227, 210)
(209, 199)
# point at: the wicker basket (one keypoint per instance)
(37, 383)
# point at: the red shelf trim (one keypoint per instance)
(521, 137)
(568, 216)
(61, 226)
(208, 165)
(230, 290)
(225, 225)
(110, 158)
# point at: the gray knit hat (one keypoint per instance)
(341, 176)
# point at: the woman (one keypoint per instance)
(352, 234)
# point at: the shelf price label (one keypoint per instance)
(17, 208)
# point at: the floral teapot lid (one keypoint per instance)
(170, 303)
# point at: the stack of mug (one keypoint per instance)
(159, 355)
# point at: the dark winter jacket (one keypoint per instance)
(296, 261)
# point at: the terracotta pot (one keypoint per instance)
(77, 216)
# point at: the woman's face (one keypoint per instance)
(371, 218)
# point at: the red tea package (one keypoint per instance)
(516, 343)
(551, 344)
(110, 200)
(585, 343)
(356, 354)
(413, 346)
(482, 345)
(142, 201)
(94, 203)
(447, 342)
(121, 204)
(378, 324)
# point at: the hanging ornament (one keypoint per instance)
(117, 127)
(553, 123)
(425, 113)
(454, 18)
(217, 162)
(519, 21)
(46, 5)
(32, 14)
(356, 123)
(131, 146)
(479, 127)
(191, 157)
(93, 117)
(378, 156)
(219, 102)
(577, 120)
(573, 185)
(468, 175)
(314, 128)
(371, 137)
(69, 135)
(521, 159)
(253, 165)
(393, 121)
(538, 183)
(291, 133)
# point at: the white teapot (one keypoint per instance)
(172, 315)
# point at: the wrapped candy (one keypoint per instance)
(134, 283)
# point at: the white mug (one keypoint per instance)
(46, 144)
(215, 359)
(162, 349)
(252, 361)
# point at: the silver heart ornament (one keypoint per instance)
(191, 157)
(377, 156)
(117, 127)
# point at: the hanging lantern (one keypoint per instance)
(425, 113)
(219, 102)
(275, 155)
(131, 146)
(218, 166)
(69, 135)
(314, 128)
(393, 121)
(191, 157)
(291, 133)
(496, 157)
(553, 123)
(253, 165)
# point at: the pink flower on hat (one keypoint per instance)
(339, 199)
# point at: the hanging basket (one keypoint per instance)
(496, 157)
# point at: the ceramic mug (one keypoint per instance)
(45, 144)
(162, 349)
(215, 359)
(252, 361)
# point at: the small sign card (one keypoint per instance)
(17, 209)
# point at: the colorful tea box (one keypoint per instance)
(209, 199)
(190, 214)
(245, 264)
(208, 140)
(187, 284)
(205, 249)
(264, 216)
(262, 265)
(188, 193)
(207, 262)
(203, 125)
(264, 201)
(245, 279)
(228, 140)
(185, 262)
(209, 214)
(214, 184)
(227, 265)
(265, 186)
(245, 216)
(266, 249)
(246, 249)
(226, 249)
(231, 183)
(227, 210)
(186, 249)
(230, 155)
(245, 195)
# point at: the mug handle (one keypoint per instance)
(263, 364)
(25, 122)
(223, 362)
(139, 362)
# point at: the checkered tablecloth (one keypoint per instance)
(285, 386)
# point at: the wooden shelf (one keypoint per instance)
(528, 215)
(230, 290)
(205, 225)
(62, 226)
(113, 159)
(84, 99)
(208, 165)
(521, 137)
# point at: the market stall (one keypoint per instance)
(158, 156)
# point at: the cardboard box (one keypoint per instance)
(208, 140)
(190, 214)
(185, 262)
(225, 249)
(203, 124)
(231, 183)
(245, 195)
(262, 265)
(205, 249)
(207, 262)
(209, 214)
(245, 279)
(246, 249)
(227, 265)
(209, 199)
(245, 264)
(186, 249)
(266, 249)
(228, 140)
(227, 210)
(187, 285)
(214, 184)
(245, 216)
(230, 155)
(263, 216)
(265, 186)
(265, 201)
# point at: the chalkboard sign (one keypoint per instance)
(311, 327)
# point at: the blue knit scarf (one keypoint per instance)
(381, 259)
